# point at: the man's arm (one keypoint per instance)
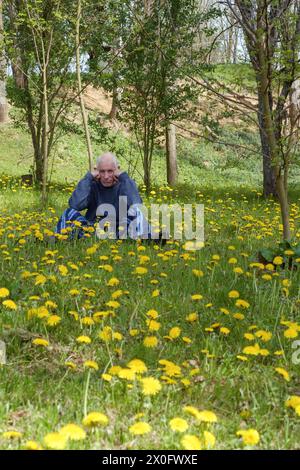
(129, 188)
(81, 195)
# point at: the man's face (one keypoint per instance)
(107, 170)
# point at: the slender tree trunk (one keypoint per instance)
(45, 151)
(17, 64)
(172, 172)
(273, 144)
(281, 186)
(115, 104)
(269, 179)
(3, 101)
(78, 71)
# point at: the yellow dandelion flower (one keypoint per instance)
(114, 370)
(186, 382)
(140, 428)
(283, 372)
(178, 424)
(209, 440)
(224, 310)
(153, 325)
(91, 365)
(106, 377)
(95, 419)
(242, 303)
(40, 280)
(134, 332)
(249, 336)
(191, 317)
(174, 332)
(250, 436)
(4, 292)
(140, 270)
(263, 335)
(40, 342)
(74, 292)
(242, 358)
(117, 336)
(53, 320)
(113, 304)
(207, 416)
(150, 342)
(197, 273)
(137, 365)
(293, 401)
(127, 374)
(190, 442)
(151, 386)
(196, 297)
(278, 260)
(233, 294)
(238, 316)
(152, 314)
(83, 339)
(11, 435)
(290, 333)
(73, 432)
(186, 340)
(117, 294)
(270, 267)
(55, 441)
(155, 293)
(63, 270)
(32, 445)
(238, 270)
(225, 331)
(106, 334)
(71, 365)
(279, 352)
(87, 321)
(107, 267)
(252, 350)
(264, 352)
(113, 282)
(10, 304)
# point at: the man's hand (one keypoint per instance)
(117, 174)
(95, 174)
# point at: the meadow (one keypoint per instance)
(126, 345)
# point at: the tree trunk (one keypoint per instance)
(17, 64)
(284, 206)
(273, 144)
(172, 172)
(115, 104)
(82, 105)
(3, 101)
(269, 180)
(45, 151)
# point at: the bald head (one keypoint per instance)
(107, 164)
(107, 157)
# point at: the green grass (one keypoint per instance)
(40, 394)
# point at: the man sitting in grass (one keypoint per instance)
(109, 187)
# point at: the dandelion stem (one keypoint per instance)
(86, 393)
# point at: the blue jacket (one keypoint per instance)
(89, 194)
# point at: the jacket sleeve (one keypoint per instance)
(81, 195)
(129, 188)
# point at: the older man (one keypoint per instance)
(105, 186)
